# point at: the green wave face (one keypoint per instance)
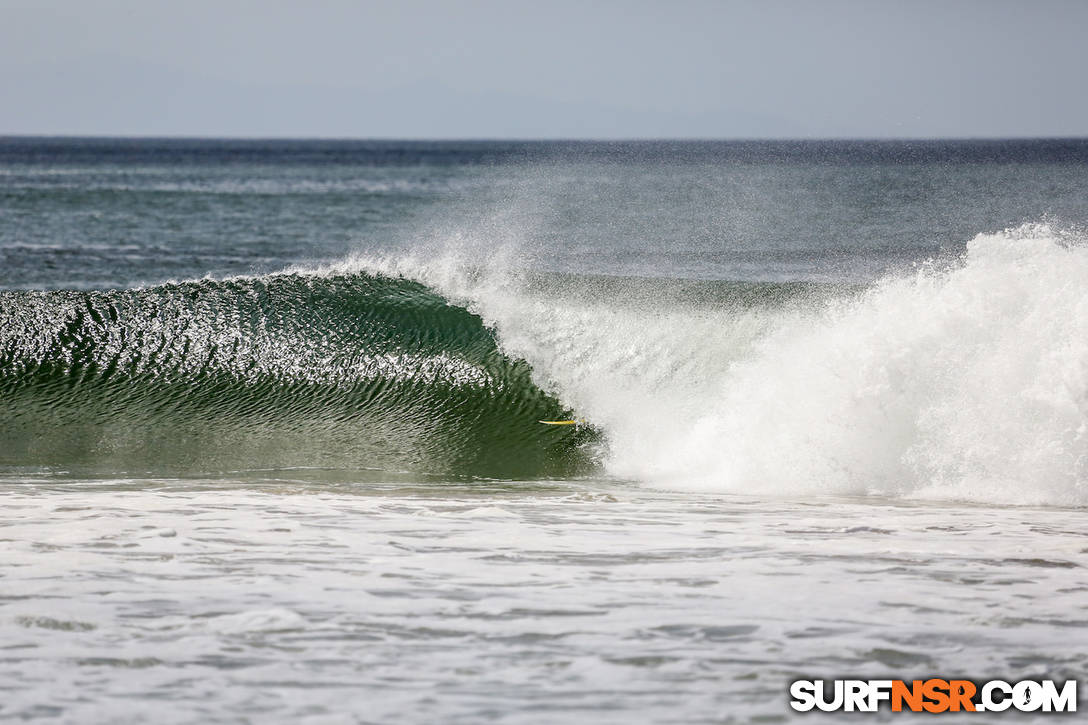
(354, 371)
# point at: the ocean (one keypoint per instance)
(271, 445)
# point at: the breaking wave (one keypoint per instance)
(967, 379)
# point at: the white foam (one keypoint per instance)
(262, 620)
(967, 382)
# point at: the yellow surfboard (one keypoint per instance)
(562, 422)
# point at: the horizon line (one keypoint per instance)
(538, 139)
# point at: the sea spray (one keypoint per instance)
(966, 379)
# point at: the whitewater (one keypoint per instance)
(270, 445)
(910, 387)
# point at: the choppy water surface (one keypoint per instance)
(270, 447)
(185, 601)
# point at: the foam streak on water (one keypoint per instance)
(273, 599)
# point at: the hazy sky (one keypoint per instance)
(550, 68)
